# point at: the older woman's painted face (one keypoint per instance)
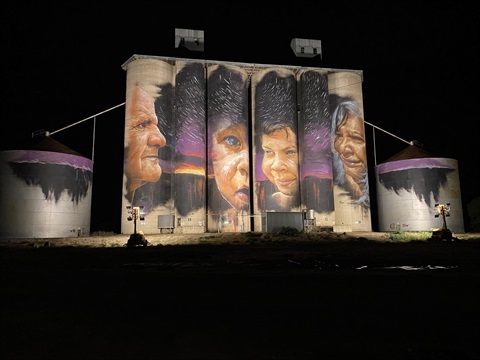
(230, 165)
(350, 144)
(143, 140)
(280, 160)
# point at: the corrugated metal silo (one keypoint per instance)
(410, 185)
(46, 191)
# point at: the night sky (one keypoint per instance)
(62, 63)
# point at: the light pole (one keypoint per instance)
(133, 215)
(443, 233)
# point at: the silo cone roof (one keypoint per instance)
(413, 156)
(45, 150)
(47, 143)
(411, 152)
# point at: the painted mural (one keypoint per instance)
(276, 172)
(165, 147)
(215, 145)
(189, 145)
(228, 149)
(148, 163)
(314, 129)
(349, 150)
(349, 154)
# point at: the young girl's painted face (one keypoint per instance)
(280, 160)
(231, 165)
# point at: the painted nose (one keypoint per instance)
(278, 163)
(344, 145)
(155, 137)
(243, 165)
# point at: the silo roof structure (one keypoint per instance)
(411, 152)
(47, 143)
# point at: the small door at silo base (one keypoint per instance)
(166, 222)
(275, 221)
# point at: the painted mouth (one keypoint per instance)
(243, 194)
(352, 163)
(285, 183)
(152, 159)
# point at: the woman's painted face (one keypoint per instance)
(280, 160)
(144, 139)
(350, 144)
(229, 154)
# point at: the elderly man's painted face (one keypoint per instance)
(143, 140)
(280, 160)
(350, 144)
(230, 165)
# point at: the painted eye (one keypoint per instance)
(232, 141)
(357, 139)
(142, 125)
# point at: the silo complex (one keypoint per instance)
(46, 192)
(411, 185)
(213, 146)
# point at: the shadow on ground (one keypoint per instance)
(269, 300)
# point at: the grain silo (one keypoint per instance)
(46, 191)
(411, 185)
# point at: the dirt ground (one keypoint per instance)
(238, 296)
(115, 240)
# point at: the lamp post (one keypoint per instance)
(133, 215)
(136, 239)
(443, 233)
